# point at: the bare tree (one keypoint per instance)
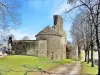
(93, 7)
(85, 31)
(77, 33)
(9, 16)
(26, 38)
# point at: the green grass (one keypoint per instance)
(17, 62)
(76, 59)
(86, 68)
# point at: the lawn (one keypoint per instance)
(87, 69)
(24, 63)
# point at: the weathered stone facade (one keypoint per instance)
(30, 47)
(53, 46)
(50, 42)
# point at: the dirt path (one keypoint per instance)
(67, 69)
(73, 68)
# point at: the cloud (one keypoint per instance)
(65, 7)
(62, 8)
(19, 34)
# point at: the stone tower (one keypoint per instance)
(58, 24)
(56, 39)
(53, 38)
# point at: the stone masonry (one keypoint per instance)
(51, 41)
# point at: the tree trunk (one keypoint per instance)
(79, 52)
(88, 56)
(92, 64)
(85, 55)
(91, 44)
(98, 47)
(98, 62)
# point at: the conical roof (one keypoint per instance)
(48, 31)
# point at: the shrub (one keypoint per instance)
(66, 61)
(21, 47)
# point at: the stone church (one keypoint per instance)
(50, 42)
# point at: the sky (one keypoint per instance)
(37, 14)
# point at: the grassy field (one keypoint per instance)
(19, 63)
(87, 69)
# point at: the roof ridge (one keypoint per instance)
(48, 31)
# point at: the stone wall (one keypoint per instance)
(33, 49)
(30, 47)
(63, 44)
(42, 48)
(54, 46)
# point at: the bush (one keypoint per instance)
(63, 61)
(66, 61)
(21, 47)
